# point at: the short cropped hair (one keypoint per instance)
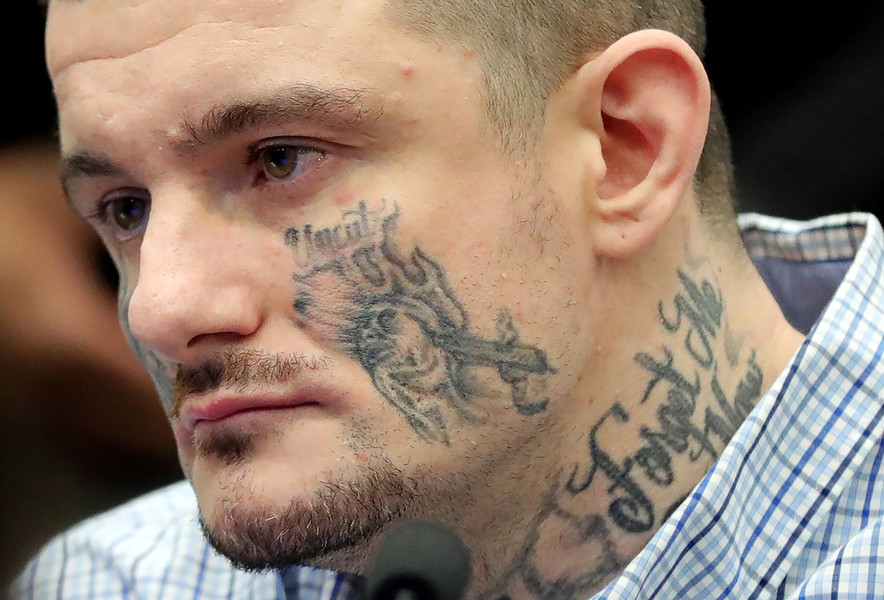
(528, 48)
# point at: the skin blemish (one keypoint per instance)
(344, 197)
(407, 70)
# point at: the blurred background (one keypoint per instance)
(80, 430)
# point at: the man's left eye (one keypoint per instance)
(281, 163)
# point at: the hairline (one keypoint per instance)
(518, 123)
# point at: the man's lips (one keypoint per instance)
(222, 408)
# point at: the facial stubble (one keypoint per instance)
(343, 513)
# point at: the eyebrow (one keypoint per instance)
(340, 107)
(83, 164)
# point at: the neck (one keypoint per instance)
(680, 380)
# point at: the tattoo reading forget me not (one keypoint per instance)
(400, 319)
(682, 429)
(622, 480)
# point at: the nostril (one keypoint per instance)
(217, 337)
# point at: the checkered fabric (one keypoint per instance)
(792, 509)
(152, 548)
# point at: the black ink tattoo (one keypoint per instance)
(589, 533)
(411, 334)
(679, 430)
(631, 509)
(698, 318)
(702, 305)
(159, 373)
(357, 227)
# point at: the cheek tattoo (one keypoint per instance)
(356, 228)
(399, 318)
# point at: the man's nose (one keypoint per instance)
(195, 291)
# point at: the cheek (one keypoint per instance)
(345, 197)
(324, 303)
(124, 296)
(162, 380)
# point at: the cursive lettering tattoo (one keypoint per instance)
(702, 306)
(631, 510)
(696, 319)
(398, 316)
(589, 534)
(357, 227)
(694, 415)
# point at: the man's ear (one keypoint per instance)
(647, 98)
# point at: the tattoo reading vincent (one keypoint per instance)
(397, 315)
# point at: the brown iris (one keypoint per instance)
(129, 213)
(282, 161)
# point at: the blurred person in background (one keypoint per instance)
(80, 431)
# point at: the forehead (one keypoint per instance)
(118, 64)
(84, 30)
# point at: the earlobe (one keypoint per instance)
(649, 96)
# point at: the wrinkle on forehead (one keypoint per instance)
(83, 57)
(64, 55)
(78, 32)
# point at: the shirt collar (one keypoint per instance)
(827, 276)
(747, 522)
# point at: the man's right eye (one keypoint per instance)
(128, 213)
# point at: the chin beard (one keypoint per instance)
(341, 515)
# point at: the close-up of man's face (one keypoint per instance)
(354, 303)
(460, 298)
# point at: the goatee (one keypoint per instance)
(341, 515)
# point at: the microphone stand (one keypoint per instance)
(420, 560)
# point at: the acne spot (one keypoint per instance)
(344, 197)
(407, 70)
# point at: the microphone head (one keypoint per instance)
(422, 560)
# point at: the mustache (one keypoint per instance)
(240, 370)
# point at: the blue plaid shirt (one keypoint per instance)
(792, 509)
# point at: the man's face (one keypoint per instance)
(354, 306)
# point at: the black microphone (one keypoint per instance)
(420, 560)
